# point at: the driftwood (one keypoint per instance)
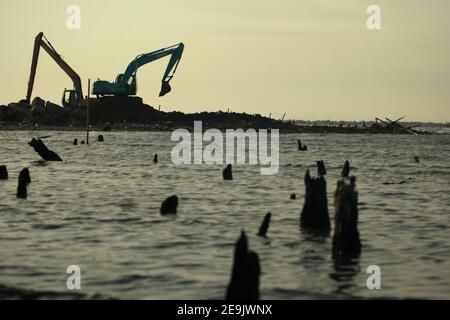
(394, 126)
(43, 151)
(265, 225)
(244, 283)
(169, 206)
(346, 240)
(314, 215)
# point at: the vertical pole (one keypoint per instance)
(87, 111)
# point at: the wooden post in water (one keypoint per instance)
(87, 111)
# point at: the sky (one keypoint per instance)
(310, 59)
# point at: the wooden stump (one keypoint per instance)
(265, 225)
(346, 242)
(25, 175)
(314, 215)
(169, 206)
(244, 284)
(22, 189)
(3, 173)
(227, 173)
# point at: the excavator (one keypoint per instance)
(72, 97)
(125, 83)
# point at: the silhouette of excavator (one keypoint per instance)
(71, 97)
(126, 84)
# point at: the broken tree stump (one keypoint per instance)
(3, 173)
(227, 173)
(301, 147)
(244, 283)
(346, 170)
(346, 242)
(321, 170)
(25, 175)
(314, 215)
(169, 206)
(22, 189)
(265, 225)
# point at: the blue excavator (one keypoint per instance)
(125, 84)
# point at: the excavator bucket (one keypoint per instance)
(165, 88)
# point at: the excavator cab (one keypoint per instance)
(71, 98)
(120, 87)
(132, 85)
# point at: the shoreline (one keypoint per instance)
(130, 114)
(170, 126)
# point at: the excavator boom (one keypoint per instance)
(41, 41)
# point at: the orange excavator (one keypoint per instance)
(71, 98)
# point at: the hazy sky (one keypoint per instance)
(313, 59)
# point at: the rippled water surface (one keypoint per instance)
(99, 209)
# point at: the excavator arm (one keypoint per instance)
(175, 51)
(41, 41)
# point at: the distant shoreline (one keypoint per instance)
(130, 114)
(169, 127)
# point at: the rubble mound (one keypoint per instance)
(127, 112)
